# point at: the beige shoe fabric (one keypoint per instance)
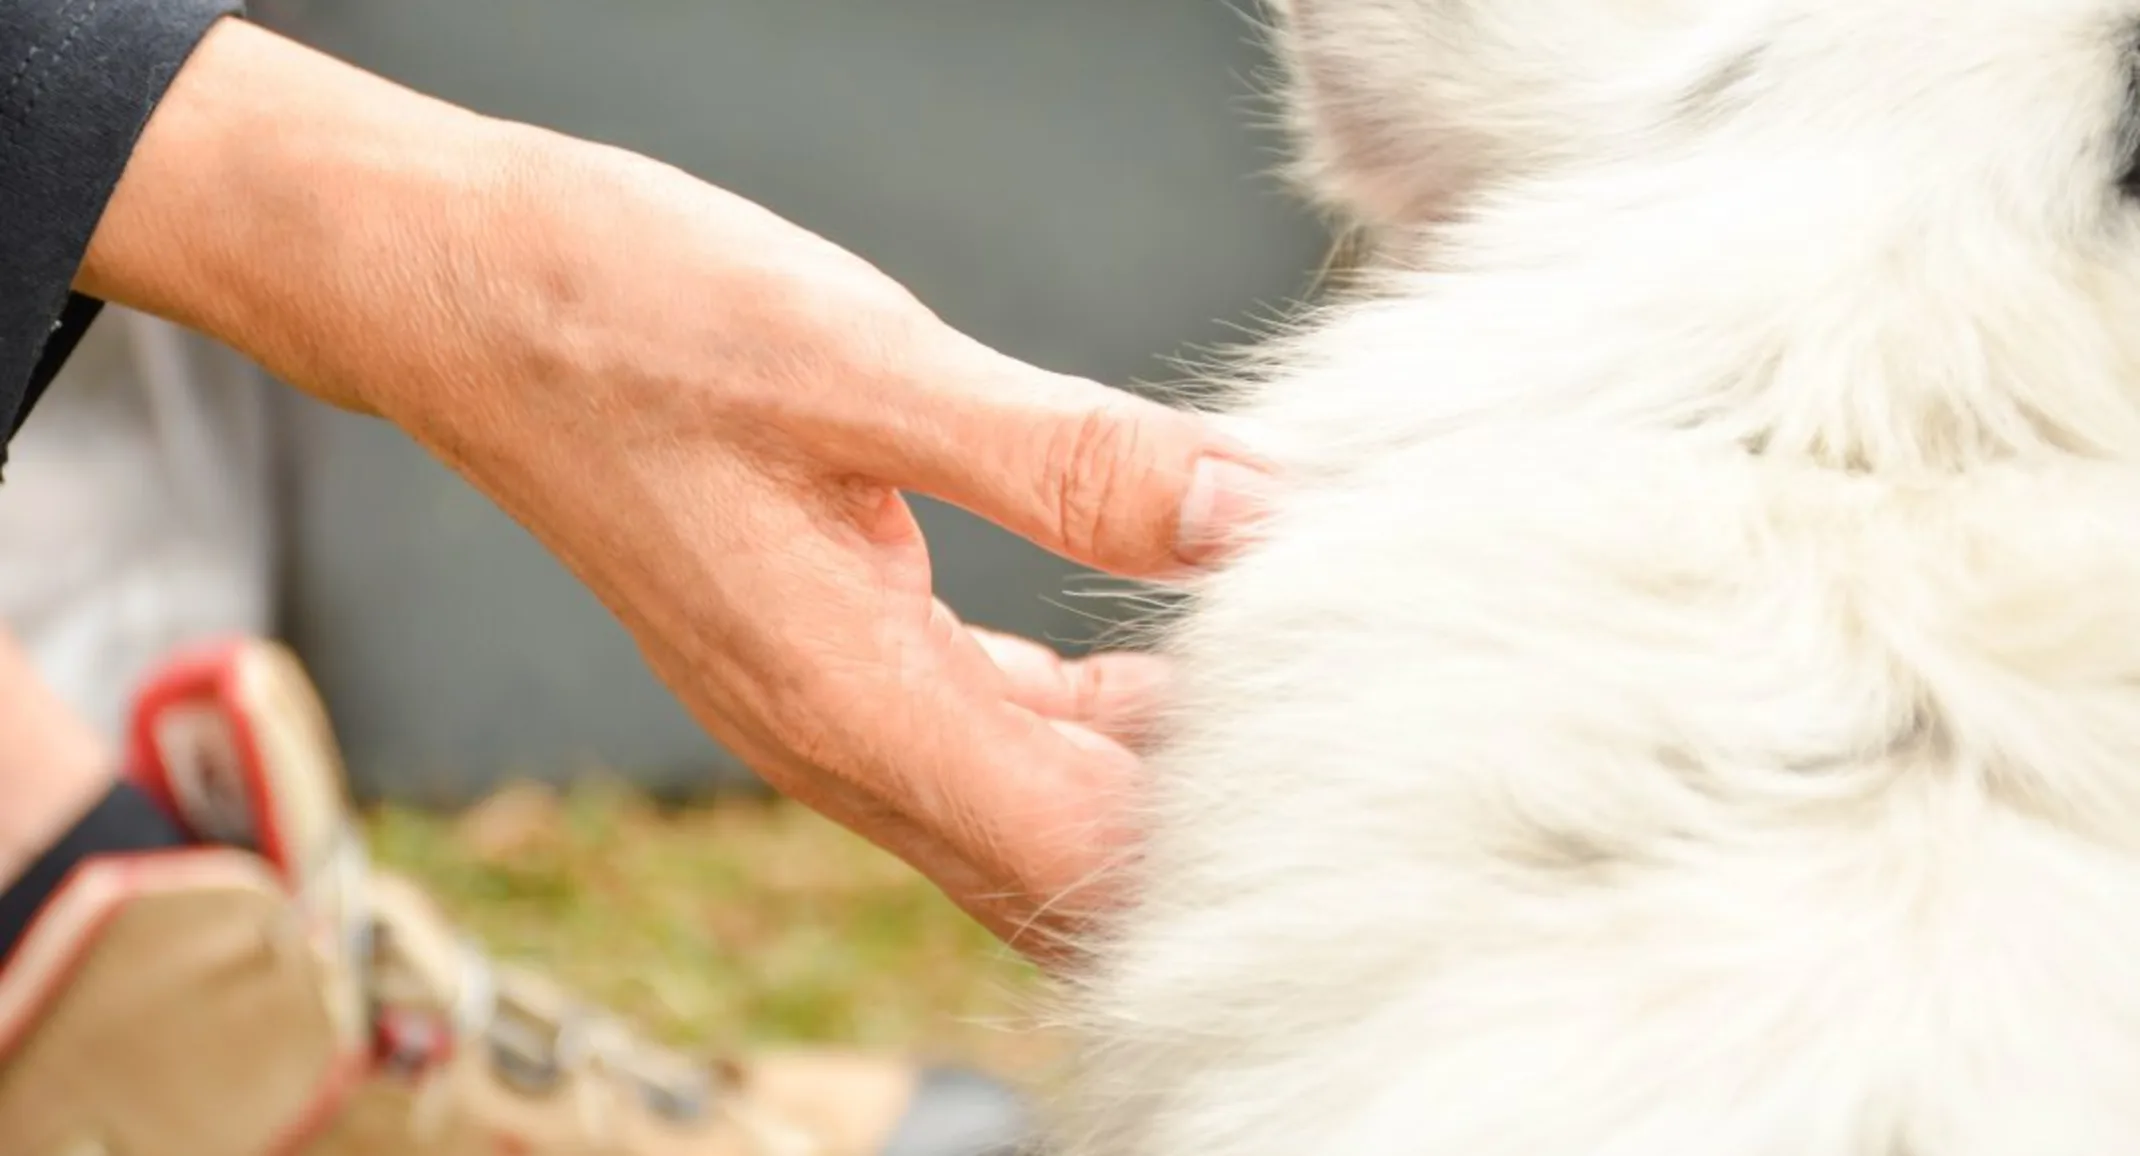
(174, 1004)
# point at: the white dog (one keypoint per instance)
(1688, 701)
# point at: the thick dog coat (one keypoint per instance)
(1687, 699)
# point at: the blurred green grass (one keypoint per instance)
(724, 925)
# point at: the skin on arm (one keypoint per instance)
(709, 415)
(53, 767)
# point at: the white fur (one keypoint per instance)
(1689, 700)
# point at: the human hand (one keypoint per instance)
(709, 415)
(720, 455)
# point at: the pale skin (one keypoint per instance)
(709, 414)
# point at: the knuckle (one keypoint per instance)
(1092, 474)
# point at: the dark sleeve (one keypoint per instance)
(77, 81)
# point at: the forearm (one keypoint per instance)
(543, 314)
(52, 765)
(331, 224)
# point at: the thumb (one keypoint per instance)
(1097, 475)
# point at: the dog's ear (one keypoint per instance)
(1403, 106)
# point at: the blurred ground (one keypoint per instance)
(724, 924)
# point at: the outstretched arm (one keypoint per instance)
(709, 415)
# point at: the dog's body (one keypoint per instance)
(1687, 701)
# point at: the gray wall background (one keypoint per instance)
(1082, 183)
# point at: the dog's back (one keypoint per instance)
(1688, 700)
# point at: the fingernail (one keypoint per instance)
(1224, 497)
